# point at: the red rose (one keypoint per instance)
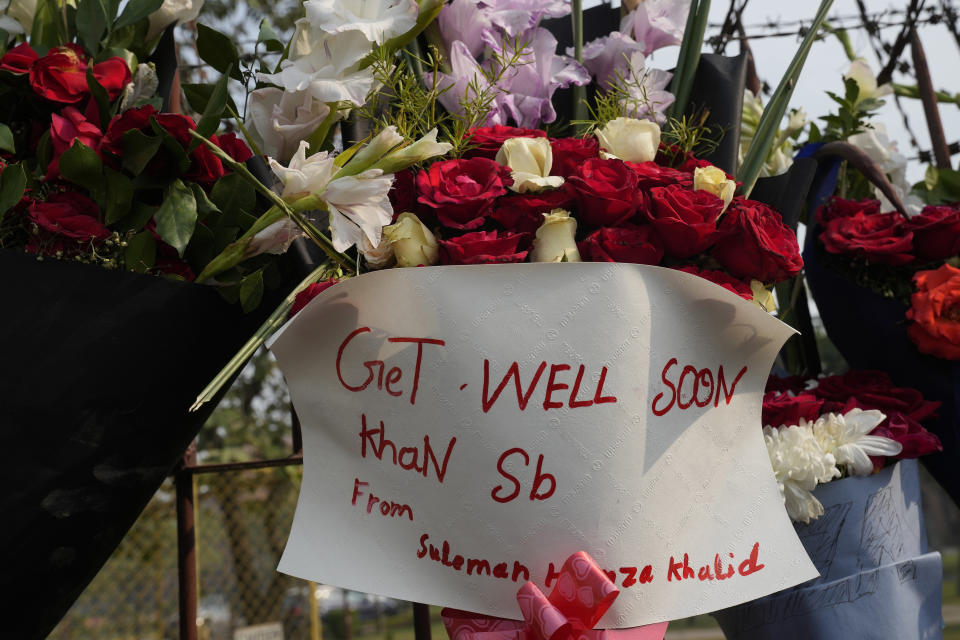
(523, 212)
(308, 294)
(916, 440)
(486, 141)
(872, 390)
(61, 75)
(606, 192)
(878, 237)
(725, 280)
(570, 153)
(691, 162)
(204, 166)
(936, 232)
(651, 175)
(68, 223)
(786, 409)
(462, 192)
(838, 207)
(234, 146)
(403, 193)
(19, 59)
(754, 243)
(64, 129)
(482, 247)
(636, 244)
(685, 219)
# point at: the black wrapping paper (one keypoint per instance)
(98, 371)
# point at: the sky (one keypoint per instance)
(827, 63)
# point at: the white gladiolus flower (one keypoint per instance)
(863, 75)
(276, 238)
(358, 205)
(530, 161)
(629, 139)
(884, 152)
(377, 20)
(386, 140)
(424, 148)
(172, 11)
(845, 437)
(555, 240)
(376, 257)
(326, 68)
(278, 120)
(799, 463)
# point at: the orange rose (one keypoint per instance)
(935, 311)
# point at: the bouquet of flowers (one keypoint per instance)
(821, 429)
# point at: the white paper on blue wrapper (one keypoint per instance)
(876, 578)
(630, 471)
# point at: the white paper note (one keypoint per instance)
(468, 428)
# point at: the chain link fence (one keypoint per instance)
(242, 521)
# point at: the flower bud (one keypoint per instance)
(530, 161)
(412, 242)
(555, 241)
(404, 156)
(629, 139)
(714, 180)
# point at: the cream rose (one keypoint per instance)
(530, 161)
(555, 241)
(629, 139)
(412, 242)
(715, 181)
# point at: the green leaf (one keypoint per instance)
(198, 96)
(201, 249)
(47, 26)
(13, 182)
(135, 11)
(141, 252)
(213, 112)
(100, 97)
(232, 192)
(930, 177)
(82, 166)
(269, 37)
(251, 291)
(204, 205)
(177, 216)
(138, 150)
(6, 139)
(172, 145)
(218, 50)
(140, 215)
(91, 22)
(119, 195)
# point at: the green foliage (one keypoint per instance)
(140, 254)
(219, 51)
(177, 216)
(13, 182)
(939, 186)
(690, 134)
(852, 117)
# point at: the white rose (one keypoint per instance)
(18, 16)
(172, 11)
(412, 242)
(714, 180)
(629, 139)
(555, 241)
(530, 161)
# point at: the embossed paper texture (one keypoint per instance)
(466, 429)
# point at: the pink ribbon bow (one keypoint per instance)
(581, 596)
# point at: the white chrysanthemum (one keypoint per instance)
(799, 463)
(845, 436)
